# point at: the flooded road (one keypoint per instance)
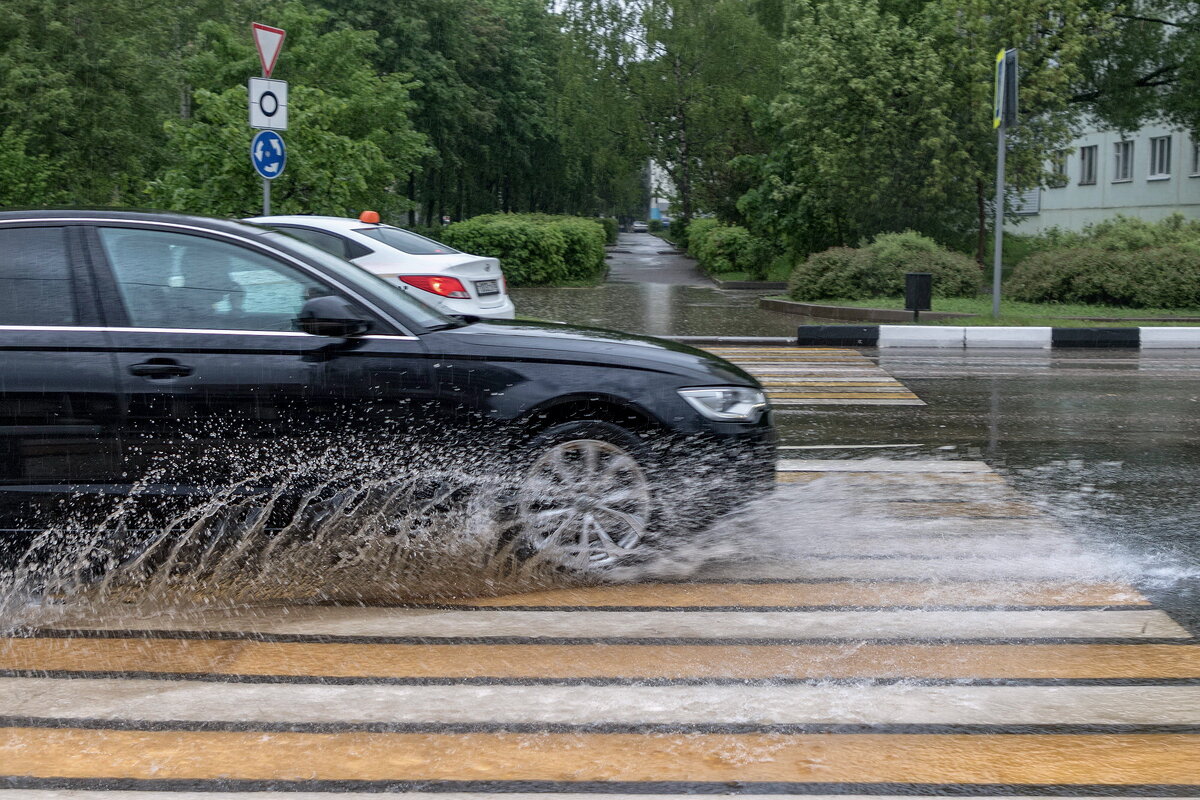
(653, 290)
(976, 577)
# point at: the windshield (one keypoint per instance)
(406, 241)
(412, 308)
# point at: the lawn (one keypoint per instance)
(1017, 313)
(779, 271)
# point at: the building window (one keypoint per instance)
(1122, 162)
(1160, 157)
(1087, 165)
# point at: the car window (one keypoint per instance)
(334, 245)
(176, 280)
(35, 277)
(353, 276)
(406, 241)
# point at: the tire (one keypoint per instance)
(586, 499)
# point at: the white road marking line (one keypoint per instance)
(880, 466)
(1083, 570)
(154, 700)
(485, 624)
(844, 446)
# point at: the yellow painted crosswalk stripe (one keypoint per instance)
(886, 681)
(1158, 759)
(780, 368)
(549, 660)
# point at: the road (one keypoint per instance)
(966, 594)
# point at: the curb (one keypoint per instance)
(852, 313)
(760, 285)
(759, 340)
(939, 336)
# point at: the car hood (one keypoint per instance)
(597, 346)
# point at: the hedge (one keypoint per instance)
(877, 270)
(611, 229)
(729, 248)
(1123, 233)
(1152, 277)
(534, 249)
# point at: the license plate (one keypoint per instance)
(487, 287)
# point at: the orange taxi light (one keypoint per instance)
(369, 217)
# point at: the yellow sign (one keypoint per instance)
(998, 93)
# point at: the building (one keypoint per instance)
(661, 189)
(1151, 174)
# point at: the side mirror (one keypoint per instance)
(331, 316)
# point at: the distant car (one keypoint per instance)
(640, 226)
(449, 280)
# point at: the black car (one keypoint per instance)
(163, 356)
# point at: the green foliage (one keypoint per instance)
(678, 231)
(877, 269)
(1120, 232)
(883, 122)
(534, 249)
(1145, 66)
(350, 144)
(723, 249)
(611, 229)
(24, 178)
(1155, 277)
(680, 72)
(654, 226)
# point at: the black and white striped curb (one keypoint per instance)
(946, 336)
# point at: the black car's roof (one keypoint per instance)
(131, 215)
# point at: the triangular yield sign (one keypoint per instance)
(269, 42)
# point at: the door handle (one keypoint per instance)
(160, 368)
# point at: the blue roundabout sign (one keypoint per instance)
(268, 155)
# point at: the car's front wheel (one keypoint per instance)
(586, 499)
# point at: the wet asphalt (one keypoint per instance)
(1105, 440)
(654, 289)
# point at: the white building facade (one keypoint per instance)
(1150, 174)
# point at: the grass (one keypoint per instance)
(780, 270)
(1016, 313)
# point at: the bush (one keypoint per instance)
(611, 229)
(678, 233)
(654, 226)
(534, 249)
(1122, 233)
(695, 233)
(877, 270)
(1152, 277)
(729, 248)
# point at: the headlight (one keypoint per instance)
(727, 403)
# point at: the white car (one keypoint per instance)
(451, 281)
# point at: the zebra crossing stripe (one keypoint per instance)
(571, 759)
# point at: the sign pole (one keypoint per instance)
(268, 110)
(998, 236)
(1004, 114)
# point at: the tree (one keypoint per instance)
(1144, 66)
(351, 143)
(24, 177)
(87, 84)
(903, 137)
(685, 67)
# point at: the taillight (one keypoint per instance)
(438, 284)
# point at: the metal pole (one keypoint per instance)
(266, 197)
(998, 235)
